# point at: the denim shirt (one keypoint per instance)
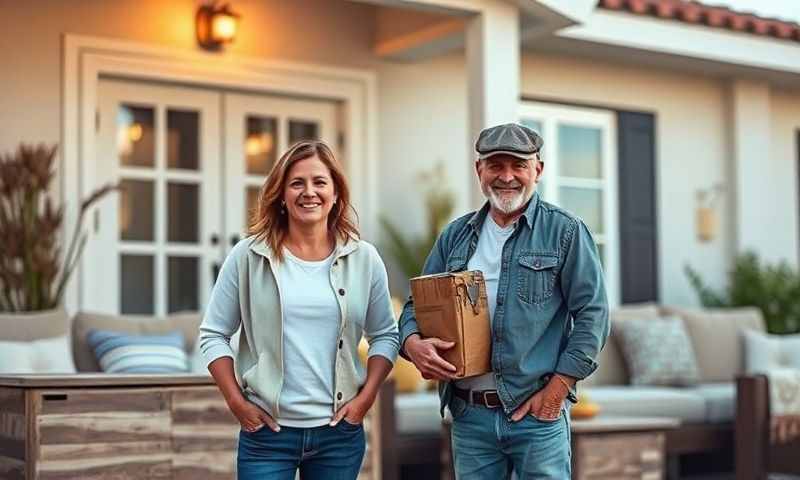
(552, 310)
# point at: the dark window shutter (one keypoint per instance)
(638, 222)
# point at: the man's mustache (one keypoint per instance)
(506, 185)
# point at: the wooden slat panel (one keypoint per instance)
(109, 400)
(12, 425)
(12, 448)
(210, 438)
(12, 400)
(101, 450)
(116, 468)
(12, 468)
(104, 427)
(204, 466)
(629, 456)
(201, 406)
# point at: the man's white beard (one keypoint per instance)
(508, 204)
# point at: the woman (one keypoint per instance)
(304, 289)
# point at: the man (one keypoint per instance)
(548, 310)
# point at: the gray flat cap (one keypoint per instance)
(508, 139)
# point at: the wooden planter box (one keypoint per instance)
(98, 426)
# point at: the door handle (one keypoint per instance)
(235, 239)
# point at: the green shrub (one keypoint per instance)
(775, 289)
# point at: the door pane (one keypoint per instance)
(135, 136)
(300, 130)
(183, 210)
(251, 201)
(136, 284)
(183, 282)
(260, 143)
(136, 209)
(183, 139)
(579, 151)
(587, 203)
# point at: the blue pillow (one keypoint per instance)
(119, 352)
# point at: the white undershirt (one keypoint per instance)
(310, 332)
(487, 258)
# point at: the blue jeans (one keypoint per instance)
(488, 445)
(321, 453)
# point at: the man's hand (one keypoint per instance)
(546, 403)
(424, 353)
(252, 418)
(353, 412)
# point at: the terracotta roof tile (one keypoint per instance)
(688, 11)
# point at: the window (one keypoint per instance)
(580, 172)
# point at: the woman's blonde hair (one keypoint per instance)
(270, 224)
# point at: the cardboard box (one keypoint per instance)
(454, 307)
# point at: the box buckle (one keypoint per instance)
(491, 394)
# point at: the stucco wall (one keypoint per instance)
(314, 31)
(691, 149)
(785, 159)
(423, 108)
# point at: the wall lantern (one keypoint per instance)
(216, 26)
(707, 221)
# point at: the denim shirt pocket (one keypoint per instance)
(537, 277)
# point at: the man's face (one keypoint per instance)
(507, 181)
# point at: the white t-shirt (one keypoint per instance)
(487, 258)
(310, 332)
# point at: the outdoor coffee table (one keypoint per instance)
(108, 426)
(620, 447)
(605, 448)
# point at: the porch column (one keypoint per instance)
(755, 186)
(493, 72)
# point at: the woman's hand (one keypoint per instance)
(252, 418)
(355, 410)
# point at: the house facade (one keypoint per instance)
(671, 128)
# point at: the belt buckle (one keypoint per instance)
(489, 404)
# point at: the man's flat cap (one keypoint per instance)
(508, 139)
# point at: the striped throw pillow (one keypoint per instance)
(118, 352)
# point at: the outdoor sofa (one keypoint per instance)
(706, 409)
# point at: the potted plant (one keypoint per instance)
(410, 253)
(33, 272)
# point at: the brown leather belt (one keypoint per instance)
(484, 398)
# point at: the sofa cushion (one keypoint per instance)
(188, 323)
(611, 369)
(417, 412)
(45, 355)
(720, 400)
(766, 353)
(658, 351)
(124, 353)
(721, 328)
(27, 326)
(672, 402)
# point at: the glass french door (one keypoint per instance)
(580, 172)
(258, 130)
(188, 174)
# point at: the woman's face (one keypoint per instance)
(309, 192)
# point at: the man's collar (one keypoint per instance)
(476, 221)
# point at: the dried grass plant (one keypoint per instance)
(33, 274)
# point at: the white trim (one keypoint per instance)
(550, 116)
(693, 41)
(86, 58)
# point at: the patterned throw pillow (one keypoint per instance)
(658, 351)
(118, 352)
